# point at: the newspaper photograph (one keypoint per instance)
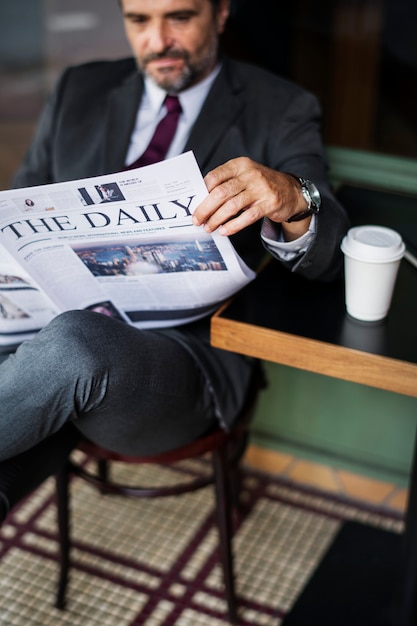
(123, 244)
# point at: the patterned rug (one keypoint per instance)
(154, 561)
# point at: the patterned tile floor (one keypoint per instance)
(336, 481)
(154, 562)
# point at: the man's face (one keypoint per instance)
(175, 42)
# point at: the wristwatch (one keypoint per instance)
(311, 195)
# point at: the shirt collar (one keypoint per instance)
(191, 99)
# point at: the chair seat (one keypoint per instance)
(235, 439)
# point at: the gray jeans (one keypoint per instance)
(137, 392)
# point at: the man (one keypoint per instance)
(256, 138)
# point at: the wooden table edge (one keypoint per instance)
(313, 355)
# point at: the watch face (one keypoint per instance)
(311, 195)
(313, 192)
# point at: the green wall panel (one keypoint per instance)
(343, 424)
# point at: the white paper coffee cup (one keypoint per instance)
(372, 258)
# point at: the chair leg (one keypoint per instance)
(224, 510)
(236, 474)
(63, 519)
(103, 471)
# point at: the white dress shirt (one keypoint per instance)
(151, 111)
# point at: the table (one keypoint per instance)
(304, 325)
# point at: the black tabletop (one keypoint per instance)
(284, 301)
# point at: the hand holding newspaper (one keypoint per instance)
(121, 244)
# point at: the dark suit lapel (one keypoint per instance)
(121, 116)
(222, 106)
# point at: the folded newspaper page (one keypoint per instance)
(24, 309)
(121, 244)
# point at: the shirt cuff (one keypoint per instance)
(272, 235)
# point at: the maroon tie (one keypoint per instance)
(163, 135)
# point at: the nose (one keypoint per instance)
(159, 37)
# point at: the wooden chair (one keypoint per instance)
(225, 450)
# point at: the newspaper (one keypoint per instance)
(121, 244)
(24, 309)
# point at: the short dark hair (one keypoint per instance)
(213, 2)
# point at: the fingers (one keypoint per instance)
(226, 207)
(240, 193)
(231, 203)
(223, 202)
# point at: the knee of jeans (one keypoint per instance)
(75, 336)
(70, 322)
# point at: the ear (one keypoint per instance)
(223, 11)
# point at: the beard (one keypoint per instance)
(191, 73)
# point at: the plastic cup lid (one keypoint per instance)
(373, 243)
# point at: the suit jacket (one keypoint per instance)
(87, 123)
(85, 131)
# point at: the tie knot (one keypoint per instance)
(172, 104)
